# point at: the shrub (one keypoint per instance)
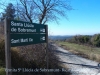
(2, 71)
(32, 56)
(80, 39)
(95, 40)
(2, 52)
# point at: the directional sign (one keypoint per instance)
(26, 27)
(25, 33)
(27, 39)
(19, 33)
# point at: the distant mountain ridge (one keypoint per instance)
(59, 37)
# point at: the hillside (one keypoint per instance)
(59, 37)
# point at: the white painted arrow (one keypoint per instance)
(42, 38)
(42, 30)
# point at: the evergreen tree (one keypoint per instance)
(9, 12)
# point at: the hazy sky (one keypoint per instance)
(85, 19)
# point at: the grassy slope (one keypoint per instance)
(85, 51)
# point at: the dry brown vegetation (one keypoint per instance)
(92, 53)
(32, 56)
(1, 31)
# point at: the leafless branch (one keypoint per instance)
(43, 11)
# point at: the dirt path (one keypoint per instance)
(76, 64)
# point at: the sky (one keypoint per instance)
(83, 20)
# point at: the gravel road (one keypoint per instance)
(76, 64)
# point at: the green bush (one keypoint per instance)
(2, 71)
(80, 39)
(95, 40)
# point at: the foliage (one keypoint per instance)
(2, 71)
(86, 40)
(95, 40)
(80, 39)
(9, 12)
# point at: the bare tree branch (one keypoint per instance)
(43, 11)
(37, 5)
(26, 10)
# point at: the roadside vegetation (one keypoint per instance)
(93, 41)
(31, 56)
(83, 45)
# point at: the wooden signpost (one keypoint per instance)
(19, 33)
(7, 48)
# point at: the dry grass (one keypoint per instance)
(32, 56)
(84, 51)
(1, 33)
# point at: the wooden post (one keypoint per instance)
(47, 47)
(7, 47)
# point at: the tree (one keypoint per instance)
(43, 11)
(86, 38)
(95, 40)
(9, 12)
(83, 39)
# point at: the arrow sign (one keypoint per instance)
(42, 38)
(25, 27)
(42, 30)
(26, 39)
